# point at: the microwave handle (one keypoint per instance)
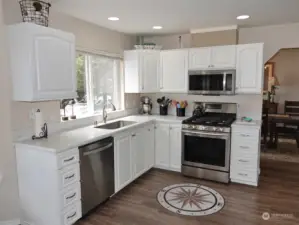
(224, 82)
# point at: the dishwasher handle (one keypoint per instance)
(97, 150)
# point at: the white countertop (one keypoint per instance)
(60, 142)
(253, 123)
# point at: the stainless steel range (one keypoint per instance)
(207, 141)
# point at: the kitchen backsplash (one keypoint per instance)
(248, 105)
(22, 121)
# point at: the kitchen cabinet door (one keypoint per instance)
(138, 152)
(199, 58)
(223, 57)
(162, 146)
(174, 71)
(42, 63)
(141, 71)
(250, 69)
(149, 70)
(123, 162)
(149, 144)
(175, 147)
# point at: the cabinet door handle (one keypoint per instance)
(70, 197)
(69, 177)
(243, 174)
(243, 161)
(71, 216)
(70, 159)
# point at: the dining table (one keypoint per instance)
(285, 120)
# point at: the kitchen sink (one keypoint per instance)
(116, 125)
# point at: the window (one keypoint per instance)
(98, 83)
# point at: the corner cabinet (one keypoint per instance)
(42, 63)
(134, 154)
(141, 71)
(174, 71)
(250, 69)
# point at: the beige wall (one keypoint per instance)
(89, 37)
(273, 37)
(216, 38)
(226, 37)
(9, 208)
(287, 73)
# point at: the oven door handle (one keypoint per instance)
(206, 134)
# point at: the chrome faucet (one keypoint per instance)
(105, 115)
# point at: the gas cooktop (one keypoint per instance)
(219, 122)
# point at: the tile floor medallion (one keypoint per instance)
(190, 199)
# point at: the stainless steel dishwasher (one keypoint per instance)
(97, 173)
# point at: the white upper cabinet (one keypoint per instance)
(212, 57)
(174, 71)
(199, 58)
(141, 71)
(250, 69)
(42, 63)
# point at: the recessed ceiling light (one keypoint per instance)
(113, 18)
(243, 17)
(157, 27)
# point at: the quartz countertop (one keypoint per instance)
(253, 123)
(63, 141)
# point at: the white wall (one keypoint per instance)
(249, 105)
(274, 37)
(15, 115)
(9, 208)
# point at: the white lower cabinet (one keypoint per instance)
(245, 155)
(168, 139)
(49, 186)
(123, 161)
(134, 155)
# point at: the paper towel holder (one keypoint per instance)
(43, 133)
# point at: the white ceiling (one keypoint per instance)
(176, 16)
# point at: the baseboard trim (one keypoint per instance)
(11, 222)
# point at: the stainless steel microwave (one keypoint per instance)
(212, 82)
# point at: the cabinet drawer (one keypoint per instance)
(246, 175)
(69, 175)
(239, 163)
(244, 136)
(70, 194)
(67, 158)
(72, 213)
(244, 148)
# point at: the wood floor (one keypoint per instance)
(278, 193)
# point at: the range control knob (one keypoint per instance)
(220, 129)
(215, 128)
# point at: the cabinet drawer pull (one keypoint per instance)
(149, 129)
(70, 197)
(243, 161)
(71, 216)
(70, 159)
(69, 177)
(244, 147)
(133, 135)
(245, 135)
(243, 174)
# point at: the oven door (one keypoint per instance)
(212, 82)
(206, 150)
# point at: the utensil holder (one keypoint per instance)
(180, 112)
(164, 110)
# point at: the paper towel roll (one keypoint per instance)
(38, 123)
